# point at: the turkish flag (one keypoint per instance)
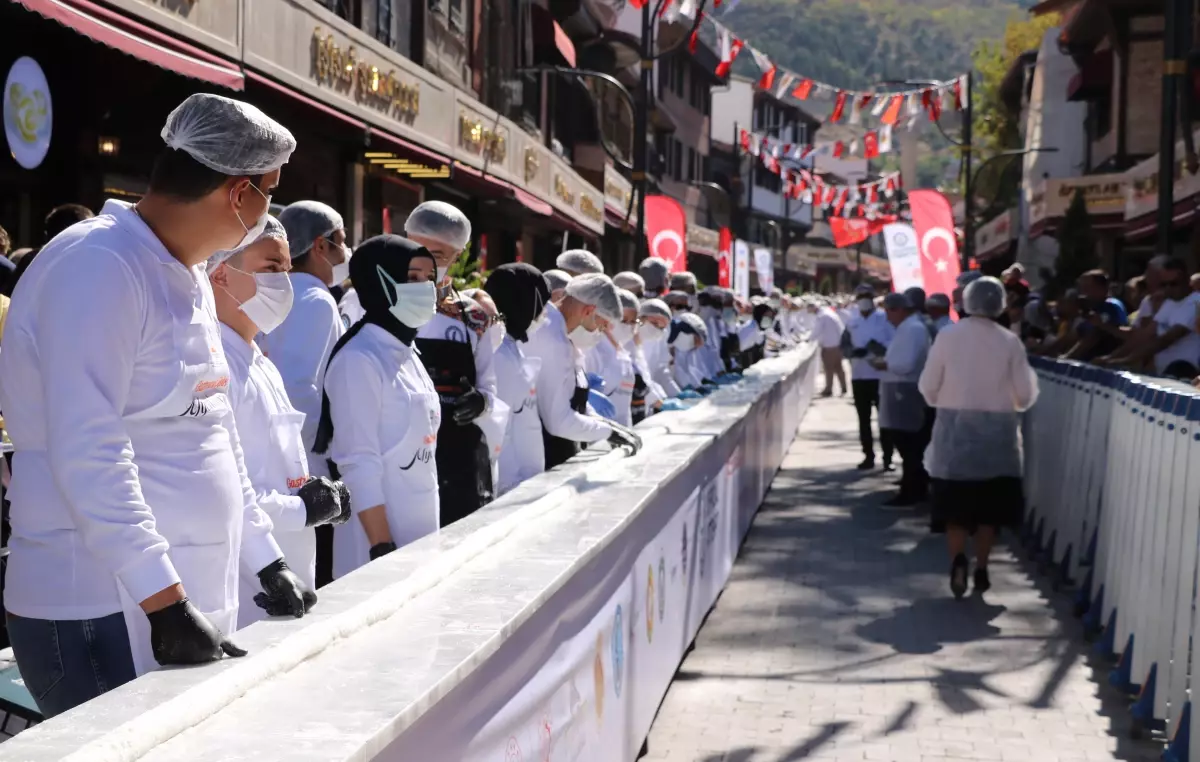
(725, 259)
(892, 114)
(839, 105)
(666, 231)
(847, 232)
(933, 220)
(803, 89)
(871, 145)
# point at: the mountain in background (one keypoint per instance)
(859, 44)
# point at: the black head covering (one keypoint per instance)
(520, 293)
(392, 254)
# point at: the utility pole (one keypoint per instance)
(1174, 69)
(968, 249)
(640, 128)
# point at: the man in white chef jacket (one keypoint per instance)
(461, 367)
(131, 507)
(300, 347)
(253, 295)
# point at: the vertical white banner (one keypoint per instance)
(904, 256)
(741, 269)
(764, 265)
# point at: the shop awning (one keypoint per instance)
(310, 102)
(1095, 78)
(532, 202)
(109, 28)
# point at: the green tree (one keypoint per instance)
(1076, 248)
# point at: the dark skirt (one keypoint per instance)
(998, 502)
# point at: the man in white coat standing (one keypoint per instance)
(300, 347)
(254, 294)
(131, 508)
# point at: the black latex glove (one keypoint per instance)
(875, 348)
(322, 501)
(283, 592)
(469, 406)
(180, 634)
(624, 437)
(344, 495)
(858, 353)
(709, 382)
(761, 311)
(382, 549)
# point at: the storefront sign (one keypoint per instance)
(996, 234)
(1141, 182)
(482, 140)
(563, 190)
(1104, 195)
(28, 113)
(617, 190)
(532, 165)
(341, 68)
(701, 240)
(590, 207)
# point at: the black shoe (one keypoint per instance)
(983, 583)
(958, 576)
(901, 501)
(866, 465)
(827, 394)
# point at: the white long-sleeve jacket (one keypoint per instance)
(562, 369)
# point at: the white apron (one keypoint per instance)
(299, 548)
(901, 406)
(410, 487)
(201, 519)
(523, 454)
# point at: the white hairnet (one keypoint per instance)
(628, 300)
(274, 229)
(598, 290)
(630, 281)
(676, 297)
(228, 136)
(440, 221)
(654, 308)
(579, 261)
(984, 297)
(306, 221)
(695, 321)
(681, 281)
(556, 279)
(654, 272)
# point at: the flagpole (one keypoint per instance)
(641, 118)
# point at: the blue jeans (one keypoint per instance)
(67, 662)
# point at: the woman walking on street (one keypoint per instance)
(979, 379)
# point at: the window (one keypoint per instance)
(690, 176)
(677, 172)
(343, 8)
(679, 70)
(383, 21)
(458, 20)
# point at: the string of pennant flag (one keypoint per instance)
(889, 107)
(873, 144)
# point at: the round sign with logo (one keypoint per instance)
(28, 115)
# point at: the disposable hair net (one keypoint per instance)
(895, 301)
(556, 279)
(984, 297)
(441, 222)
(676, 297)
(654, 308)
(228, 136)
(598, 290)
(579, 261)
(274, 229)
(630, 281)
(654, 272)
(696, 323)
(682, 281)
(938, 301)
(628, 300)
(306, 221)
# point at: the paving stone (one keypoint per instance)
(837, 639)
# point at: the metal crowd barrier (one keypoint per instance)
(1112, 463)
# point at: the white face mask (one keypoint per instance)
(622, 334)
(496, 334)
(766, 323)
(255, 230)
(729, 314)
(272, 300)
(538, 322)
(650, 333)
(341, 272)
(583, 339)
(414, 303)
(684, 342)
(865, 305)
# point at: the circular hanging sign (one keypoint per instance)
(28, 116)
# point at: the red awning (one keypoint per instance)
(532, 203)
(121, 33)
(255, 77)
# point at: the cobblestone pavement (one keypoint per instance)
(837, 639)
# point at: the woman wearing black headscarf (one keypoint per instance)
(380, 415)
(521, 295)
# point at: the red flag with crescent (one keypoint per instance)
(933, 220)
(666, 231)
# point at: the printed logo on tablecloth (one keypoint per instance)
(650, 603)
(618, 650)
(662, 588)
(513, 752)
(598, 674)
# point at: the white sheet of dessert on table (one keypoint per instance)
(547, 626)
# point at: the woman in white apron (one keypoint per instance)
(902, 410)
(381, 414)
(521, 295)
(253, 294)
